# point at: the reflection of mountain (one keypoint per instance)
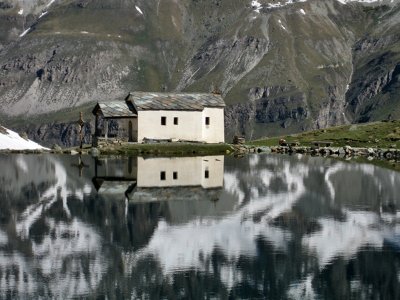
(271, 192)
(191, 245)
(69, 251)
(283, 227)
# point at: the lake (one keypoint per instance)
(215, 227)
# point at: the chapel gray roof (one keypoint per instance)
(115, 109)
(173, 101)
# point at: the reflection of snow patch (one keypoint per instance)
(3, 238)
(22, 165)
(47, 199)
(190, 246)
(177, 249)
(71, 255)
(230, 182)
(302, 290)
(254, 160)
(344, 238)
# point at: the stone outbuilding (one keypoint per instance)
(162, 116)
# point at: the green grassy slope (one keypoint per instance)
(377, 134)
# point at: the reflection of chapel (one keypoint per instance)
(162, 116)
(159, 178)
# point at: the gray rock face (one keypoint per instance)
(65, 134)
(302, 66)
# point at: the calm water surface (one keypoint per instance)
(264, 226)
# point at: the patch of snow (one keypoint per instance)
(302, 11)
(12, 141)
(256, 5)
(139, 10)
(43, 14)
(84, 32)
(283, 4)
(361, 1)
(25, 32)
(50, 3)
(21, 12)
(280, 23)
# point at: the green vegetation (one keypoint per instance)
(168, 149)
(61, 116)
(377, 134)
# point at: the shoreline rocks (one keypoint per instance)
(382, 153)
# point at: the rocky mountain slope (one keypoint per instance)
(282, 66)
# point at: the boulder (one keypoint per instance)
(370, 151)
(264, 149)
(94, 152)
(348, 150)
(56, 148)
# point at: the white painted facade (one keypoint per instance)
(207, 172)
(181, 125)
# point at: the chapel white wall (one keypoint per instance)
(189, 125)
(215, 132)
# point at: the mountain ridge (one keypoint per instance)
(299, 66)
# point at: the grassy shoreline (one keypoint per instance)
(167, 149)
(384, 134)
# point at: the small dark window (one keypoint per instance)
(207, 120)
(162, 175)
(175, 175)
(206, 174)
(175, 121)
(163, 120)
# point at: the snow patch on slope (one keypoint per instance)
(13, 141)
(257, 6)
(139, 10)
(50, 3)
(25, 32)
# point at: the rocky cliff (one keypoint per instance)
(282, 66)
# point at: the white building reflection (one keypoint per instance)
(155, 179)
